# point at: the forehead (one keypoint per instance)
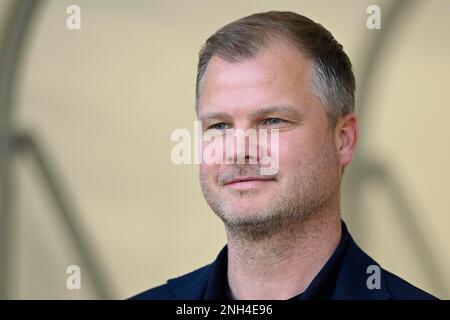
(279, 75)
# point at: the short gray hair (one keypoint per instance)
(333, 78)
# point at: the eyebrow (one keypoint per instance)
(285, 109)
(213, 115)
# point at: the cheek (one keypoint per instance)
(208, 168)
(298, 150)
(209, 171)
(292, 150)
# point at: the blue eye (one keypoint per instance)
(273, 121)
(219, 126)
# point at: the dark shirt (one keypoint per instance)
(321, 287)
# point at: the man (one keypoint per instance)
(281, 71)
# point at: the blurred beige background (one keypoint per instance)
(104, 100)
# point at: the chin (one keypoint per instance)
(239, 211)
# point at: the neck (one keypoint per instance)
(283, 265)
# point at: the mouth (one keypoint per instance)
(244, 183)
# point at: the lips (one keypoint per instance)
(241, 179)
(248, 182)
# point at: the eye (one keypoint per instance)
(273, 121)
(219, 126)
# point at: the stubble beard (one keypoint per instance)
(308, 192)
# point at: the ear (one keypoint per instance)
(347, 134)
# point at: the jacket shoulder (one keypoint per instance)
(402, 290)
(353, 277)
(188, 286)
(161, 292)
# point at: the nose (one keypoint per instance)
(241, 146)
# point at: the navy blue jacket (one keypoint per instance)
(351, 281)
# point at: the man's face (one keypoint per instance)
(270, 91)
